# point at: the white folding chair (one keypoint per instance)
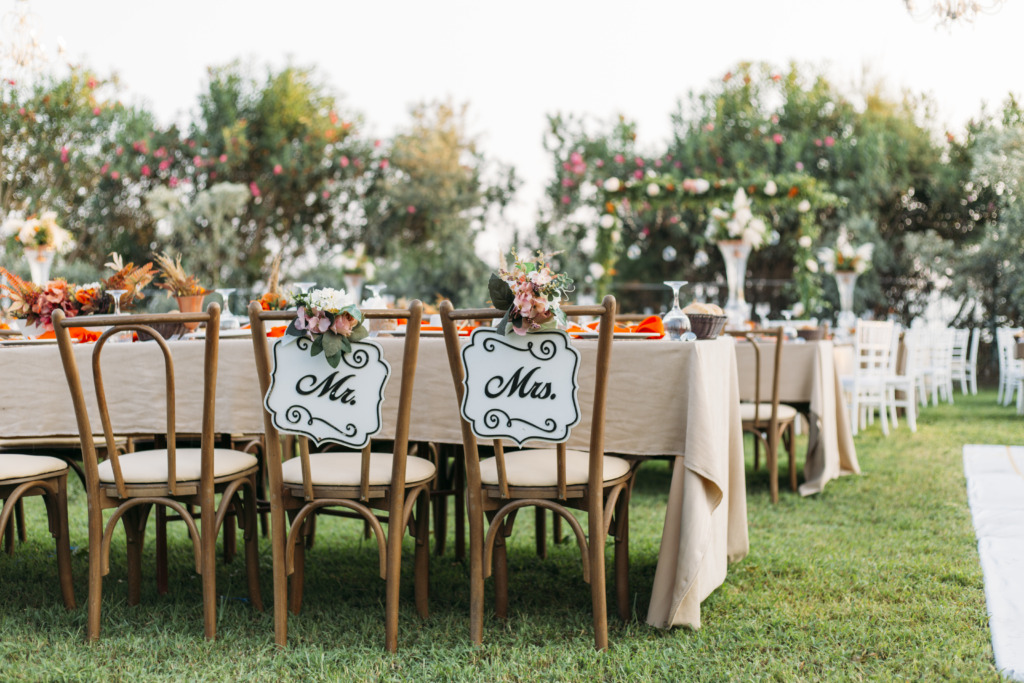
(958, 362)
(902, 388)
(942, 359)
(1010, 370)
(971, 364)
(866, 389)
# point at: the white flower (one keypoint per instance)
(700, 185)
(865, 251)
(653, 190)
(805, 242)
(607, 221)
(734, 228)
(804, 206)
(770, 188)
(719, 214)
(369, 269)
(812, 265)
(596, 271)
(90, 285)
(740, 200)
(612, 185)
(328, 299)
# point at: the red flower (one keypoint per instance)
(254, 188)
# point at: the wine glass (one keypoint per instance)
(763, 308)
(227, 318)
(117, 294)
(676, 322)
(375, 291)
(304, 286)
(788, 314)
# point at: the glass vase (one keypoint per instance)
(847, 319)
(40, 260)
(735, 253)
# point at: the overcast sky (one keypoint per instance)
(516, 62)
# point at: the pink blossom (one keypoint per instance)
(829, 141)
(376, 143)
(817, 142)
(599, 163)
(576, 158)
(775, 118)
(223, 158)
(565, 199)
(799, 165)
(21, 111)
(657, 163)
(173, 182)
(325, 194)
(410, 209)
(146, 170)
(639, 162)
(96, 111)
(678, 164)
(277, 169)
(213, 175)
(160, 153)
(64, 154)
(91, 83)
(709, 127)
(384, 163)
(254, 188)
(164, 165)
(777, 138)
(566, 182)
(343, 324)
(343, 161)
(776, 77)
(104, 168)
(119, 151)
(198, 161)
(638, 174)
(619, 158)
(115, 175)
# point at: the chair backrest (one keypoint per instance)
(776, 336)
(972, 354)
(942, 347)
(873, 347)
(1004, 343)
(606, 313)
(961, 344)
(413, 315)
(143, 325)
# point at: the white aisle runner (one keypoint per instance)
(995, 491)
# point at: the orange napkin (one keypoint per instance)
(4, 326)
(618, 328)
(651, 324)
(277, 331)
(79, 334)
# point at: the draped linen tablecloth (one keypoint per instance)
(809, 376)
(665, 398)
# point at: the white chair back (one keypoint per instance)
(874, 347)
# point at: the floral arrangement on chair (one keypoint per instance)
(331, 319)
(845, 258)
(530, 294)
(175, 280)
(737, 222)
(40, 232)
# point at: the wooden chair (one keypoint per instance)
(131, 484)
(359, 481)
(39, 475)
(771, 421)
(554, 478)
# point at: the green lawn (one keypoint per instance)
(877, 578)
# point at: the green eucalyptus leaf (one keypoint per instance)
(501, 294)
(333, 345)
(359, 333)
(503, 324)
(318, 345)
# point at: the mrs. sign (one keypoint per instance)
(521, 388)
(307, 396)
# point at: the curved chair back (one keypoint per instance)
(757, 337)
(143, 325)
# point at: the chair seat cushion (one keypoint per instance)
(18, 466)
(539, 467)
(150, 467)
(786, 412)
(342, 469)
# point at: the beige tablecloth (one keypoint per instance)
(665, 399)
(809, 376)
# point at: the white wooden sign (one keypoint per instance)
(521, 388)
(309, 397)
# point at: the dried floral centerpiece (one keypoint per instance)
(40, 239)
(530, 294)
(274, 299)
(331, 319)
(175, 280)
(36, 303)
(98, 297)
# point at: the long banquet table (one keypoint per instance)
(666, 398)
(809, 377)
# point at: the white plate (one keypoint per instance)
(29, 342)
(226, 334)
(617, 335)
(423, 333)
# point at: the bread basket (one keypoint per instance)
(706, 325)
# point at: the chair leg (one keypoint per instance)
(772, 462)
(540, 516)
(67, 588)
(208, 561)
(597, 578)
(622, 555)
(440, 502)
(133, 543)
(421, 573)
(95, 587)
(500, 571)
(278, 539)
(8, 534)
(791, 448)
(161, 550)
(556, 528)
(250, 536)
(19, 517)
(230, 540)
(757, 454)
(298, 579)
(460, 506)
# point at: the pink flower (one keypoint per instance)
(160, 153)
(223, 158)
(566, 182)
(173, 182)
(817, 142)
(776, 77)
(343, 324)
(64, 154)
(164, 165)
(677, 164)
(91, 83)
(96, 111)
(325, 194)
(410, 209)
(376, 143)
(384, 163)
(639, 162)
(777, 138)
(599, 163)
(277, 169)
(775, 118)
(565, 199)
(799, 165)
(213, 174)
(120, 151)
(829, 141)
(638, 174)
(104, 168)
(657, 163)
(146, 170)
(198, 161)
(343, 161)
(709, 127)
(619, 158)
(254, 188)
(115, 175)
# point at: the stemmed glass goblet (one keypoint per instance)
(763, 308)
(304, 286)
(375, 290)
(677, 323)
(227, 318)
(117, 294)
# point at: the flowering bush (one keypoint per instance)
(39, 233)
(331, 319)
(737, 224)
(845, 258)
(530, 294)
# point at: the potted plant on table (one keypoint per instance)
(181, 285)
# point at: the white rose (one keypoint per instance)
(700, 185)
(596, 271)
(734, 228)
(812, 265)
(866, 251)
(369, 269)
(607, 221)
(770, 188)
(328, 299)
(753, 237)
(612, 185)
(740, 200)
(653, 190)
(804, 206)
(743, 216)
(805, 242)
(719, 214)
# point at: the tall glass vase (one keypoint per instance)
(354, 285)
(847, 319)
(40, 260)
(736, 253)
